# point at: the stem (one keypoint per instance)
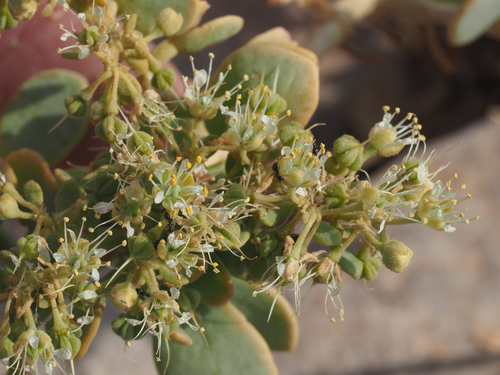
(269, 198)
(88, 92)
(336, 253)
(297, 246)
(336, 211)
(91, 332)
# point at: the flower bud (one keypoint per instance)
(75, 105)
(163, 79)
(28, 248)
(69, 341)
(288, 132)
(22, 9)
(33, 193)
(348, 151)
(141, 142)
(6, 19)
(295, 177)
(126, 330)
(10, 209)
(169, 21)
(396, 256)
(369, 197)
(97, 112)
(110, 127)
(371, 268)
(124, 296)
(336, 195)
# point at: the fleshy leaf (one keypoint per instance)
(147, 10)
(215, 288)
(281, 332)
(30, 165)
(474, 17)
(37, 107)
(298, 78)
(233, 346)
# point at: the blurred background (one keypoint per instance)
(441, 315)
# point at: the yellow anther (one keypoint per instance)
(397, 110)
(198, 159)
(329, 154)
(191, 229)
(411, 215)
(219, 246)
(178, 276)
(461, 214)
(175, 212)
(211, 55)
(205, 190)
(467, 221)
(296, 136)
(254, 117)
(71, 316)
(462, 187)
(425, 221)
(288, 112)
(246, 78)
(124, 243)
(265, 88)
(108, 263)
(179, 236)
(454, 202)
(91, 230)
(191, 58)
(238, 97)
(239, 87)
(310, 154)
(66, 219)
(97, 284)
(84, 219)
(455, 175)
(97, 216)
(110, 232)
(196, 72)
(235, 119)
(60, 240)
(178, 158)
(322, 147)
(386, 108)
(292, 155)
(111, 150)
(84, 208)
(189, 210)
(150, 177)
(409, 116)
(415, 120)
(221, 237)
(142, 226)
(297, 150)
(215, 264)
(160, 224)
(201, 268)
(469, 196)
(238, 102)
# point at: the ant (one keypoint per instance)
(170, 225)
(315, 149)
(277, 172)
(142, 293)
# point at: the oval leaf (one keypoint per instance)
(37, 107)
(233, 346)
(216, 288)
(473, 18)
(281, 332)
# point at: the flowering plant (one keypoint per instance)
(206, 203)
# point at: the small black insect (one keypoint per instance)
(170, 225)
(277, 172)
(142, 292)
(315, 149)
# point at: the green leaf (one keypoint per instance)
(233, 346)
(216, 288)
(281, 332)
(36, 108)
(260, 59)
(30, 165)
(327, 235)
(474, 17)
(148, 10)
(68, 194)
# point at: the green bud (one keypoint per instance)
(70, 53)
(164, 79)
(90, 35)
(75, 105)
(124, 296)
(141, 142)
(10, 209)
(27, 248)
(6, 19)
(6, 347)
(396, 256)
(169, 21)
(110, 127)
(288, 132)
(68, 340)
(141, 49)
(33, 193)
(371, 268)
(327, 235)
(295, 177)
(351, 265)
(369, 197)
(141, 248)
(272, 101)
(235, 193)
(336, 195)
(97, 112)
(336, 168)
(347, 150)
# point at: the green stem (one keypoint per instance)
(336, 211)
(88, 92)
(269, 198)
(297, 246)
(336, 253)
